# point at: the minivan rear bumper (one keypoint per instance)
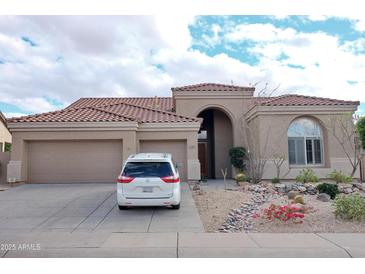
(140, 201)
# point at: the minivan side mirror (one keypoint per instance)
(178, 165)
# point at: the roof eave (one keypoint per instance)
(304, 109)
(70, 126)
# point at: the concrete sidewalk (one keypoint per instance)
(183, 244)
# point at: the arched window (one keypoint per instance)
(305, 142)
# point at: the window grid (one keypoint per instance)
(312, 151)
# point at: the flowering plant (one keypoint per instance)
(284, 213)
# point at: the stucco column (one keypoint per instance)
(192, 155)
(17, 167)
(129, 145)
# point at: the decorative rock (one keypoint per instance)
(347, 190)
(196, 187)
(324, 197)
(360, 186)
(292, 194)
(241, 219)
(288, 188)
(280, 188)
(312, 190)
(302, 189)
(306, 185)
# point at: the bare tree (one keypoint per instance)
(257, 154)
(343, 128)
(266, 90)
(224, 173)
(278, 161)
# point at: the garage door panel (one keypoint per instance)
(177, 148)
(74, 161)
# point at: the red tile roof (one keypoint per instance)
(212, 87)
(301, 100)
(160, 109)
(117, 112)
(161, 103)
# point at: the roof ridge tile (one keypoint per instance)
(153, 109)
(117, 114)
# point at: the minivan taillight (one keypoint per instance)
(124, 179)
(170, 179)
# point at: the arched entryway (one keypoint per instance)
(214, 141)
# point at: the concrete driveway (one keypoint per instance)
(88, 208)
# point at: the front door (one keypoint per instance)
(203, 158)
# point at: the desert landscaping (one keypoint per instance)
(245, 207)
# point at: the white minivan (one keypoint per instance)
(149, 179)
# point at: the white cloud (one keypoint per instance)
(259, 32)
(13, 114)
(145, 56)
(328, 65)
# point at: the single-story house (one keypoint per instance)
(89, 140)
(5, 136)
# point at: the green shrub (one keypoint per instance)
(307, 175)
(360, 128)
(241, 177)
(275, 180)
(330, 189)
(238, 156)
(339, 177)
(350, 207)
(7, 147)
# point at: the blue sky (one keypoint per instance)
(48, 62)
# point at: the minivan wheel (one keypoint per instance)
(175, 206)
(122, 207)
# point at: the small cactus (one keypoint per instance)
(299, 199)
(241, 177)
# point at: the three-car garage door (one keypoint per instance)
(176, 148)
(74, 161)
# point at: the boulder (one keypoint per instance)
(324, 197)
(292, 194)
(360, 186)
(288, 187)
(280, 188)
(312, 190)
(347, 190)
(302, 189)
(342, 186)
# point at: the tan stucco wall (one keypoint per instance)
(276, 126)
(5, 136)
(234, 108)
(18, 165)
(223, 143)
(271, 125)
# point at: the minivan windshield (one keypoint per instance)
(147, 169)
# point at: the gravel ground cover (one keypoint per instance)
(236, 210)
(321, 220)
(215, 205)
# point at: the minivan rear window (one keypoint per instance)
(147, 169)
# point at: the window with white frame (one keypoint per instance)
(305, 142)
